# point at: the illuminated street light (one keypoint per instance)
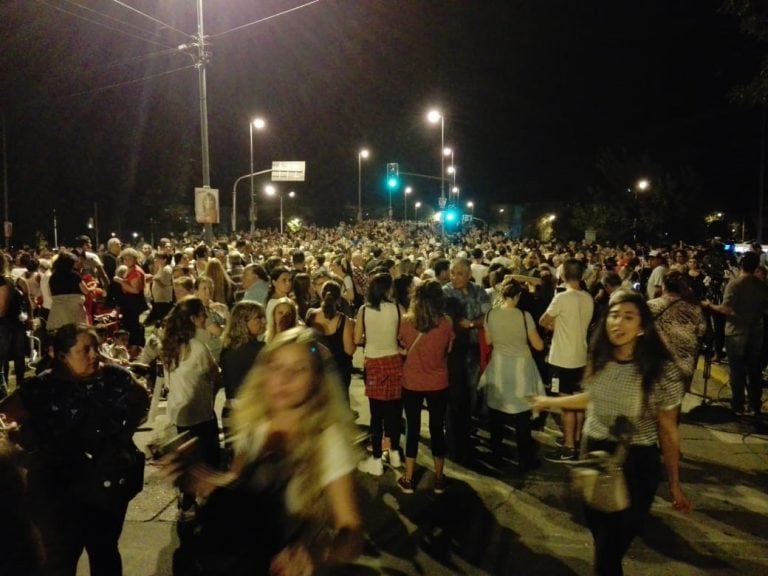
(360, 155)
(641, 185)
(471, 206)
(271, 191)
(416, 211)
(407, 191)
(257, 124)
(434, 117)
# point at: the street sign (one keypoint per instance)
(442, 202)
(288, 171)
(393, 169)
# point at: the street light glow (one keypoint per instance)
(455, 189)
(258, 123)
(364, 153)
(643, 184)
(470, 204)
(434, 116)
(451, 169)
(270, 190)
(447, 151)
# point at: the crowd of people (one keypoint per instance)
(484, 330)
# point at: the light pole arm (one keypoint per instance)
(234, 193)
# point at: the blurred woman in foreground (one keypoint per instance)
(288, 504)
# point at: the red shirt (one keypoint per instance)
(426, 365)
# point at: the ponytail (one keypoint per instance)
(330, 292)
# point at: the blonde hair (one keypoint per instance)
(325, 407)
(236, 332)
(222, 287)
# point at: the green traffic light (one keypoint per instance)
(393, 182)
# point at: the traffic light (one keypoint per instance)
(451, 218)
(393, 175)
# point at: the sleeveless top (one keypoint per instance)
(335, 343)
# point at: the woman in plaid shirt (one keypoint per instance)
(629, 374)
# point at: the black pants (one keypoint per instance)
(526, 454)
(385, 419)
(437, 403)
(613, 533)
(209, 449)
(68, 527)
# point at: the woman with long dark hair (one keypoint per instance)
(630, 374)
(376, 328)
(426, 333)
(191, 374)
(337, 330)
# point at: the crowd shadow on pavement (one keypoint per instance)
(449, 533)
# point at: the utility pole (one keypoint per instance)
(201, 59)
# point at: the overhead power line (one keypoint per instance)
(127, 82)
(108, 17)
(103, 25)
(165, 25)
(283, 13)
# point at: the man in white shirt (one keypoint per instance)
(568, 317)
(479, 269)
(658, 269)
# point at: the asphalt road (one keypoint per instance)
(491, 522)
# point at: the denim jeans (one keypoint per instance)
(744, 366)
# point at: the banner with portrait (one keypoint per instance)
(207, 205)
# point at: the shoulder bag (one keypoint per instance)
(598, 478)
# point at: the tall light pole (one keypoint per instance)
(270, 190)
(455, 190)
(407, 191)
(471, 206)
(200, 62)
(448, 151)
(360, 155)
(436, 116)
(416, 211)
(640, 186)
(258, 124)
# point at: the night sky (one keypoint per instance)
(531, 93)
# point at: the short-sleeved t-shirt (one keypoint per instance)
(572, 311)
(617, 391)
(337, 457)
(747, 296)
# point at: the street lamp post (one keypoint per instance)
(452, 168)
(270, 190)
(471, 206)
(258, 124)
(360, 155)
(434, 116)
(641, 186)
(416, 207)
(407, 191)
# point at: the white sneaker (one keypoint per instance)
(371, 465)
(394, 459)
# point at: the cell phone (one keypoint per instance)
(163, 449)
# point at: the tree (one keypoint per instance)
(753, 20)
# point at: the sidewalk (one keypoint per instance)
(490, 523)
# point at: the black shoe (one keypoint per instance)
(562, 456)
